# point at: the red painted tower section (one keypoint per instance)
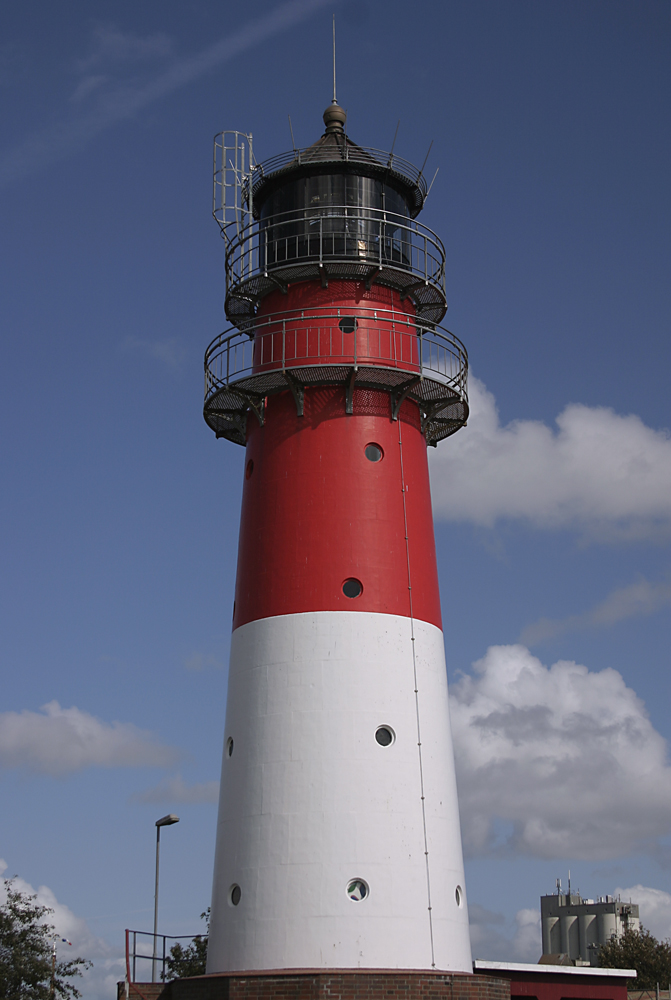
(338, 842)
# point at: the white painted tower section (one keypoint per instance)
(310, 801)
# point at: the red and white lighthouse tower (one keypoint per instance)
(338, 843)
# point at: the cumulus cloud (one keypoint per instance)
(175, 789)
(98, 983)
(655, 908)
(635, 601)
(604, 474)
(556, 762)
(60, 740)
(496, 938)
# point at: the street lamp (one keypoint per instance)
(165, 821)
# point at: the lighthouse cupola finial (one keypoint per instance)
(335, 118)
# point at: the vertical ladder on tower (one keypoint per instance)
(232, 197)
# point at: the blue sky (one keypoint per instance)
(120, 510)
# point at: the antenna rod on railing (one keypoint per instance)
(391, 151)
(431, 185)
(425, 159)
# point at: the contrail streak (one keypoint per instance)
(60, 139)
(635, 601)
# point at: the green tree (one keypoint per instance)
(189, 961)
(641, 951)
(28, 968)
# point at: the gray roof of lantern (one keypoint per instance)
(336, 150)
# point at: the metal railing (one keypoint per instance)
(366, 244)
(140, 948)
(237, 178)
(371, 338)
(346, 151)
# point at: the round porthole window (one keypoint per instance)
(373, 452)
(348, 324)
(357, 890)
(459, 895)
(229, 746)
(352, 587)
(235, 894)
(384, 736)
(249, 468)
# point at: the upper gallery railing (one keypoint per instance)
(371, 339)
(366, 244)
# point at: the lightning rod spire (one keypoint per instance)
(334, 63)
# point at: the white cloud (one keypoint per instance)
(112, 46)
(88, 85)
(202, 661)
(527, 943)
(114, 51)
(556, 762)
(118, 98)
(605, 474)
(60, 740)
(98, 983)
(636, 600)
(169, 351)
(175, 789)
(495, 938)
(655, 908)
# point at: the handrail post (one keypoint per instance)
(127, 955)
(284, 342)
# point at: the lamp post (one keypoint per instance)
(164, 821)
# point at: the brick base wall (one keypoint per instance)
(325, 985)
(141, 991)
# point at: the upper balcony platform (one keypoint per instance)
(375, 349)
(334, 242)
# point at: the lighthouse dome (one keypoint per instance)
(335, 153)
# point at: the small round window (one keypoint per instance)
(352, 587)
(229, 746)
(348, 324)
(373, 452)
(384, 736)
(357, 890)
(249, 469)
(235, 895)
(459, 895)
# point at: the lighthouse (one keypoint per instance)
(338, 840)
